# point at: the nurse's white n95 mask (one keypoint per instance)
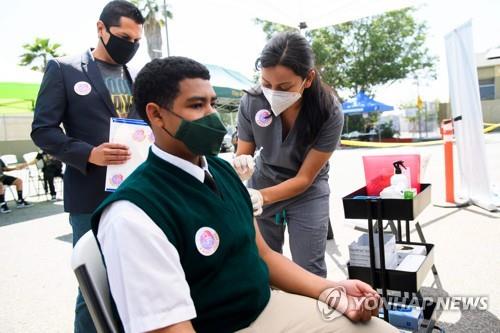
(281, 100)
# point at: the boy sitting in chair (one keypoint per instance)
(181, 247)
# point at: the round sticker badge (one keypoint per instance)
(83, 88)
(139, 135)
(116, 179)
(151, 137)
(207, 241)
(263, 118)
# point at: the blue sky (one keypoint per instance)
(221, 35)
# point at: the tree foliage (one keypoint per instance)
(39, 53)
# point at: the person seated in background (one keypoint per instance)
(51, 168)
(6, 180)
(234, 139)
(181, 247)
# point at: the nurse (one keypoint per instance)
(292, 124)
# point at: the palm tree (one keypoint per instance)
(40, 49)
(155, 17)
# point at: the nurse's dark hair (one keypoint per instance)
(114, 10)
(292, 50)
(158, 81)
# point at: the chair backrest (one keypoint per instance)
(90, 272)
(29, 157)
(9, 159)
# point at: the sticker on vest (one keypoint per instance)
(207, 241)
(83, 88)
(263, 118)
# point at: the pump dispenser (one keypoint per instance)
(398, 179)
(399, 183)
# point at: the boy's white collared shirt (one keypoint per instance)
(194, 170)
(144, 270)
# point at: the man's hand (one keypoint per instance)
(109, 154)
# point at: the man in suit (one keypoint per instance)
(82, 93)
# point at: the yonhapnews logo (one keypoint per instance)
(332, 303)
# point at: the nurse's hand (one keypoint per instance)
(257, 201)
(244, 166)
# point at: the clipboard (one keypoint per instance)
(138, 136)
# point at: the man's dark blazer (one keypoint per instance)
(85, 118)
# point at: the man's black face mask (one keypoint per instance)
(119, 49)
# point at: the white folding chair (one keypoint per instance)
(90, 272)
(9, 159)
(35, 178)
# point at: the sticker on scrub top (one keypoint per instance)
(83, 88)
(263, 118)
(207, 241)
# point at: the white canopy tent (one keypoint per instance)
(468, 119)
(310, 14)
(313, 14)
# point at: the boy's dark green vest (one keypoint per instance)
(229, 288)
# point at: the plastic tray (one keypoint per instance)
(392, 209)
(396, 280)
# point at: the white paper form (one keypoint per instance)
(135, 134)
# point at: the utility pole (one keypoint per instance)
(165, 15)
(425, 120)
(419, 110)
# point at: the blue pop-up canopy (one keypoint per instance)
(361, 103)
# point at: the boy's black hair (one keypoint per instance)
(114, 10)
(158, 81)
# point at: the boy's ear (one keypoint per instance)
(153, 113)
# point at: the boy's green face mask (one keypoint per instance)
(201, 136)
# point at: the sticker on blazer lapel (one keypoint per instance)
(263, 118)
(83, 88)
(207, 241)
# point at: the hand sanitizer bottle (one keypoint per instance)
(399, 180)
